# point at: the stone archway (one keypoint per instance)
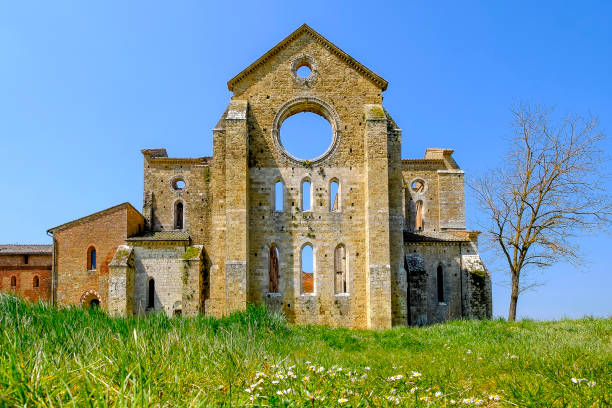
(91, 298)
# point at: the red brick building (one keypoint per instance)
(25, 270)
(85, 247)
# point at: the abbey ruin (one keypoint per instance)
(388, 235)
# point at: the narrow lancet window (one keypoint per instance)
(91, 259)
(340, 275)
(278, 196)
(440, 281)
(307, 269)
(419, 216)
(35, 282)
(13, 282)
(151, 294)
(306, 195)
(178, 216)
(334, 196)
(273, 269)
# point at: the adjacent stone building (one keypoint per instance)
(25, 271)
(387, 234)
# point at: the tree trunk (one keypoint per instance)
(513, 298)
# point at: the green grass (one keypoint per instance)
(77, 357)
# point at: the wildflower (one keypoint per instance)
(468, 352)
(413, 390)
(274, 381)
(342, 400)
(248, 390)
(367, 368)
(259, 374)
(415, 374)
(438, 394)
(591, 383)
(513, 357)
(306, 378)
(494, 397)
(575, 380)
(453, 402)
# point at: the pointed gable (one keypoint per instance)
(305, 29)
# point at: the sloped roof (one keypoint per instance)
(93, 216)
(16, 249)
(432, 236)
(161, 236)
(304, 28)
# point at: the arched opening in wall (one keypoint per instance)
(340, 270)
(151, 294)
(35, 282)
(13, 282)
(94, 303)
(178, 215)
(278, 196)
(306, 135)
(418, 222)
(306, 195)
(90, 298)
(91, 258)
(307, 269)
(273, 270)
(440, 283)
(334, 195)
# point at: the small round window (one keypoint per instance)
(178, 184)
(418, 186)
(303, 71)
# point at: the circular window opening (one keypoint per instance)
(178, 184)
(306, 135)
(303, 71)
(418, 186)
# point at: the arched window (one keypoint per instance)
(307, 269)
(91, 258)
(35, 282)
(306, 195)
(419, 216)
(13, 282)
(151, 294)
(340, 275)
(334, 195)
(440, 282)
(278, 196)
(273, 269)
(178, 216)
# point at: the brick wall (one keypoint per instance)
(104, 231)
(37, 266)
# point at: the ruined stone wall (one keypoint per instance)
(161, 195)
(37, 266)
(426, 170)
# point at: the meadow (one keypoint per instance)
(83, 358)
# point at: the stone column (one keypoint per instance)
(121, 282)
(236, 205)
(192, 280)
(378, 260)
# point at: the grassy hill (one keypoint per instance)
(76, 357)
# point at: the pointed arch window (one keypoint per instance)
(273, 269)
(440, 283)
(35, 282)
(151, 294)
(340, 270)
(178, 215)
(307, 269)
(279, 196)
(334, 195)
(418, 225)
(306, 195)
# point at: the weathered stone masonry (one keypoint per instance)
(394, 250)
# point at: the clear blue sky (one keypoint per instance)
(85, 85)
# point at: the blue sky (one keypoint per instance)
(85, 85)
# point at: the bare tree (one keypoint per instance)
(549, 189)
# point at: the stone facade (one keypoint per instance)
(25, 270)
(395, 242)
